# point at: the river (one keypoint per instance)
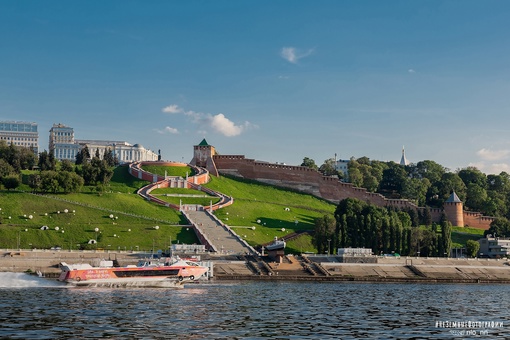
(38, 308)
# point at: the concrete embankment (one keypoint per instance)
(46, 261)
(373, 269)
(294, 268)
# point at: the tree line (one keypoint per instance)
(52, 175)
(426, 183)
(358, 224)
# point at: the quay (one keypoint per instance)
(320, 268)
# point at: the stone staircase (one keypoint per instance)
(220, 237)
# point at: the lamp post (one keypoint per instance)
(19, 238)
(329, 244)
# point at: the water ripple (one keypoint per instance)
(257, 310)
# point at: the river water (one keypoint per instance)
(37, 308)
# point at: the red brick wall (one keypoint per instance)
(312, 182)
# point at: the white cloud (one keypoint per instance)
(168, 129)
(225, 126)
(172, 109)
(411, 70)
(292, 54)
(492, 155)
(494, 168)
(218, 123)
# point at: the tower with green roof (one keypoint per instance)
(203, 157)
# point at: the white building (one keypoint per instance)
(354, 252)
(65, 146)
(123, 151)
(62, 142)
(494, 247)
(342, 165)
(22, 134)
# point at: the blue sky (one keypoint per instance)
(273, 80)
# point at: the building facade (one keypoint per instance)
(343, 166)
(62, 142)
(22, 134)
(64, 146)
(494, 247)
(122, 151)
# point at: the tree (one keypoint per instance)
(83, 155)
(108, 157)
(393, 181)
(309, 163)
(476, 197)
(69, 181)
(473, 175)
(66, 165)
(500, 227)
(446, 236)
(328, 167)
(35, 182)
(355, 176)
(5, 168)
(324, 233)
(428, 169)
(472, 248)
(49, 181)
(11, 182)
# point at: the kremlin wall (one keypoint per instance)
(313, 182)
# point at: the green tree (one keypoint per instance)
(328, 167)
(472, 248)
(49, 181)
(5, 168)
(108, 157)
(324, 231)
(309, 163)
(66, 165)
(35, 182)
(11, 182)
(500, 227)
(394, 180)
(446, 236)
(476, 197)
(473, 175)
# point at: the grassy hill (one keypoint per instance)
(259, 213)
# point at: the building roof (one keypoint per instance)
(203, 143)
(453, 198)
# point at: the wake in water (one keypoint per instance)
(21, 280)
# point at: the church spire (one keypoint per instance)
(403, 160)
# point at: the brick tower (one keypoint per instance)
(454, 210)
(203, 157)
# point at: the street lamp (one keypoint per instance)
(19, 238)
(329, 244)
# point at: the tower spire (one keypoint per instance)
(403, 160)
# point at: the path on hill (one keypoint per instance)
(223, 239)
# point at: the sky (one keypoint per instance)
(275, 81)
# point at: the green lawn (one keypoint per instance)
(259, 213)
(23, 215)
(269, 209)
(460, 235)
(169, 170)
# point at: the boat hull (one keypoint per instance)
(132, 276)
